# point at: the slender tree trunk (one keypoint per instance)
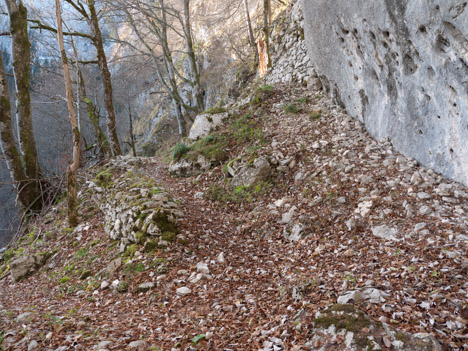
(180, 117)
(104, 150)
(73, 167)
(195, 73)
(25, 189)
(266, 29)
(169, 63)
(106, 79)
(21, 57)
(249, 27)
(93, 114)
(132, 137)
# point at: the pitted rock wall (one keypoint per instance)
(400, 67)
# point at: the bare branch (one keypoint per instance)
(40, 26)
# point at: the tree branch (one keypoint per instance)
(40, 26)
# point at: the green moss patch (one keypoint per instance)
(104, 178)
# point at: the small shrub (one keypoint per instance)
(104, 178)
(303, 100)
(122, 287)
(244, 130)
(261, 94)
(64, 280)
(316, 115)
(266, 87)
(81, 253)
(291, 108)
(213, 148)
(179, 150)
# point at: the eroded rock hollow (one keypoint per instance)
(401, 67)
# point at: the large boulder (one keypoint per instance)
(249, 175)
(205, 123)
(26, 265)
(400, 67)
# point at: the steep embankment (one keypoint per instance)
(340, 218)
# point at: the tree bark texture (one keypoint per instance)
(106, 79)
(195, 73)
(132, 136)
(266, 30)
(21, 56)
(25, 188)
(249, 28)
(73, 167)
(104, 149)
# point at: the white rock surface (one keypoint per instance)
(204, 124)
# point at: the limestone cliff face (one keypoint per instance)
(401, 67)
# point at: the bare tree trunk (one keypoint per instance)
(93, 114)
(251, 35)
(106, 79)
(266, 29)
(73, 167)
(21, 57)
(25, 189)
(132, 137)
(195, 76)
(169, 63)
(179, 117)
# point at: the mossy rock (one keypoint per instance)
(150, 246)
(342, 317)
(122, 287)
(87, 273)
(104, 178)
(366, 332)
(139, 237)
(168, 236)
(157, 262)
(131, 250)
(163, 223)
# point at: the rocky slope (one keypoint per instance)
(341, 219)
(292, 229)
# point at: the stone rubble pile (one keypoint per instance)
(290, 59)
(187, 167)
(135, 211)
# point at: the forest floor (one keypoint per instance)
(369, 218)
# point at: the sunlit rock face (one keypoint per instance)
(401, 67)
